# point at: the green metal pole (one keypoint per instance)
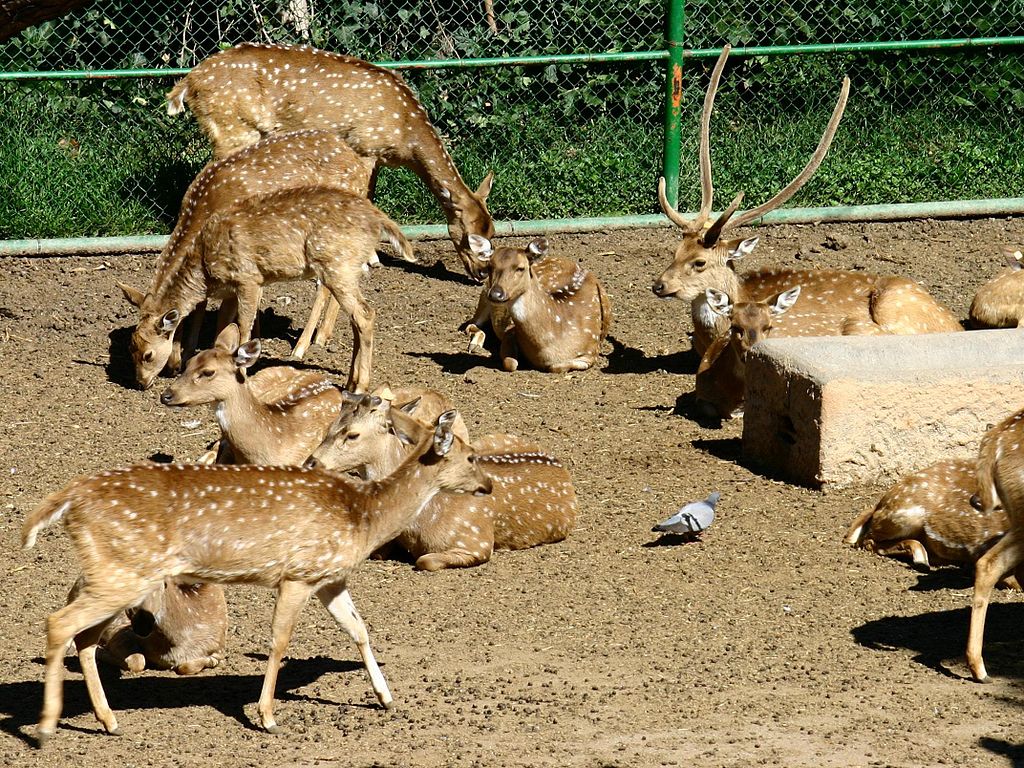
(675, 29)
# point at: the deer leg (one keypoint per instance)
(454, 558)
(248, 296)
(1003, 558)
(911, 548)
(481, 316)
(339, 604)
(291, 596)
(361, 316)
(326, 329)
(509, 351)
(576, 364)
(227, 313)
(302, 344)
(186, 342)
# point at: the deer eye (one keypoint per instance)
(148, 356)
(700, 264)
(352, 436)
(207, 373)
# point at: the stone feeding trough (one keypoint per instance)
(836, 411)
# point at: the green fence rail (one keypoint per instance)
(577, 107)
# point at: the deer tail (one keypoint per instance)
(176, 97)
(398, 241)
(855, 534)
(987, 492)
(53, 508)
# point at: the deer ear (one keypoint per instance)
(134, 296)
(445, 193)
(745, 248)
(404, 426)
(718, 302)
(1012, 258)
(537, 249)
(248, 353)
(485, 186)
(169, 322)
(411, 406)
(784, 301)
(444, 438)
(228, 338)
(481, 247)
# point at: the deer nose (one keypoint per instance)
(658, 288)
(311, 463)
(167, 397)
(497, 294)
(486, 486)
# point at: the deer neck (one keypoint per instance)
(433, 164)
(184, 289)
(706, 321)
(390, 457)
(249, 424)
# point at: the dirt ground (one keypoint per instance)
(767, 643)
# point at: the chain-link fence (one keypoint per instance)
(575, 130)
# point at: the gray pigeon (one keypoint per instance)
(693, 519)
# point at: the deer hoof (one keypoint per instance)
(42, 737)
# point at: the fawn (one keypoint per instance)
(289, 160)
(299, 531)
(319, 232)
(721, 375)
(532, 500)
(549, 310)
(999, 303)
(276, 417)
(832, 303)
(250, 91)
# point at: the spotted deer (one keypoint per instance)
(928, 517)
(999, 303)
(279, 416)
(285, 161)
(547, 310)
(250, 91)
(1005, 437)
(832, 302)
(299, 531)
(178, 626)
(532, 500)
(297, 233)
(721, 375)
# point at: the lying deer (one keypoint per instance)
(721, 375)
(250, 91)
(832, 302)
(296, 530)
(281, 162)
(548, 310)
(927, 516)
(304, 232)
(999, 303)
(177, 626)
(532, 500)
(276, 417)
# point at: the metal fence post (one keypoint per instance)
(675, 23)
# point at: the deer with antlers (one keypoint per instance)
(251, 91)
(832, 302)
(546, 309)
(299, 531)
(279, 416)
(285, 161)
(721, 375)
(999, 303)
(320, 232)
(532, 500)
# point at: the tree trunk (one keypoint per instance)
(16, 15)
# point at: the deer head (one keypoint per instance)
(214, 373)
(152, 340)
(507, 270)
(750, 321)
(469, 217)
(704, 256)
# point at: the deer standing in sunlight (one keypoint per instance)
(250, 91)
(832, 302)
(999, 303)
(299, 531)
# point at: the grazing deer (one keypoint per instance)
(1005, 557)
(296, 530)
(999, 303)
(549, 310)
(276, 417)
(303, 232)
(281, 162)
(532, 500)
(250, 91)
(928, 517)
(721, 376)
(832, 303)
(177, 626)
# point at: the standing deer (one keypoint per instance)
(304, 232)
(928, 517)
(832, 303)
(299, 531)
(549, 310)
(721, 375)
(250, 91)
(276, 417)
(1003, 438)
(177, 626)
(532, 500)
(999, 303)
(290, 160)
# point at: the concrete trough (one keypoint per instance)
(835, 411)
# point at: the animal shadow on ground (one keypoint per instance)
(938, 639)
(20, 702)
(624, 359)
(1013, 752)
(436, 271)
(688, 407)
(672, 540)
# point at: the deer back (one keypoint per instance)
(999, 303)
(1004, 438)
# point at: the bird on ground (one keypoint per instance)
(693, 519)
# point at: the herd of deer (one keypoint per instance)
(298, 136)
